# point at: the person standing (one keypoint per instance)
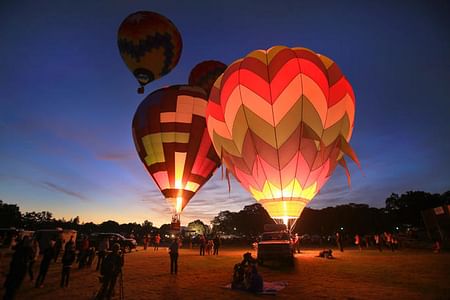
(67, 261)
(34, 258)
(103, 247)
(358, 241)
(157, 241)
(111, 269)
(49, 254)
(296, 243)
(216, 245)
(173, 252)
(339, 241)
(202, 245)
(145, 242)
(58, 246)
(84, 253)
(377, 239)
(17, 268)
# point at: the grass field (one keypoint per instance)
(367, 274)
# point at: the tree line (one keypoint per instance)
(399, 211)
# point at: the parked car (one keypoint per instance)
(125, 243)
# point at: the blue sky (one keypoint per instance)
(67, 99)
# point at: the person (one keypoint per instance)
(339, 241)
(111, 269)
(216, 245)
(367, 240)
(253, 280)
(84, 253)
(326, 254)
(67, 261)
(173, 252)
(103, 247)
(358, 241)
(34, 258)
(70, 244)
(437, 246)
(157, 241)
(209, 247)
(241, 271)
(202, 245)
(296, 243)
(49, 254)
(145, 242)
(90, 256)
(377, 239)
(17, 268)
(58, 246)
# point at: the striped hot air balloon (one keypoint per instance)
(205, 74)
(169, 131)
(281, 120)
(150, 45)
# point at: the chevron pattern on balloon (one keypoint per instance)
(281, 120)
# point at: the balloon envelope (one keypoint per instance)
(169, 131)
(149, 44)
(281, 120)
(205, 74)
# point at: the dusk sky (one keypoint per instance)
(67, 99)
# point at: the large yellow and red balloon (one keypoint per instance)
(169, 131)
(149, 44)
(281, 120)
(205, 73)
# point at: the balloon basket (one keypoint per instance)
(140, 90)
(175, 225)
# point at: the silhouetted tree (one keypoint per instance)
(9, 215)
(109, 226)
(198, 227)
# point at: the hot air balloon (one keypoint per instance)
(205, 74)
(150, 46)
(281, 120)
(169, 131)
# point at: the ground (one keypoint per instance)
(367, 274)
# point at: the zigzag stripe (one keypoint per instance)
(156, 41)
(268, 131)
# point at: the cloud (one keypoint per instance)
(116, 156)
(52, 186)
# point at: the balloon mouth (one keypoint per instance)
(286, 220)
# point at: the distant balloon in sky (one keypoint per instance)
(205, 74)
(169, 131)
(281, 120)
(150, 45)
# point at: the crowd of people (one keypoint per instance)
(27, 252)
(380, 241)
(210, 246)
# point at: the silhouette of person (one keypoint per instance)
(49, 254)
(173, 252)
(18, 267)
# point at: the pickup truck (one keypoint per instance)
(276, 246)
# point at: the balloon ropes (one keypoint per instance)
(281, 120)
